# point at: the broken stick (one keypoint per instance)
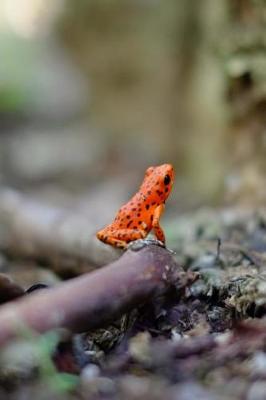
(95, 299)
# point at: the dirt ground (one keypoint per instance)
(204, 340)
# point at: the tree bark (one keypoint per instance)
(95, 299)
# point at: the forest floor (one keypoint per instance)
(204, 339)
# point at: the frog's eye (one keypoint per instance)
(167, 179)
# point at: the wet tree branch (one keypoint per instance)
(95, 299)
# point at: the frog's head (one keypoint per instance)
(160, 179)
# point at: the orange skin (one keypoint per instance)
(142, 213)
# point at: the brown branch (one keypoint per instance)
(64, 240)
(94, 299)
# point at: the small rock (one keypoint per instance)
(193, 391)
(257, 391)
(97, 385)
(89, 373)
(257, 364)
(18, 361)
(139, 347)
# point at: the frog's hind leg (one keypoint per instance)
(120, 244)
(121, 237)
(113, 241)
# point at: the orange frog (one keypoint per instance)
(141, 214)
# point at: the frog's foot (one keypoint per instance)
(139, 244)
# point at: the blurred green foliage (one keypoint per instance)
(14, 74)
(45, 346)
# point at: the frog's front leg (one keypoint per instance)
(155, 223)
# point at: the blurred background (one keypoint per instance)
(93, 92)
